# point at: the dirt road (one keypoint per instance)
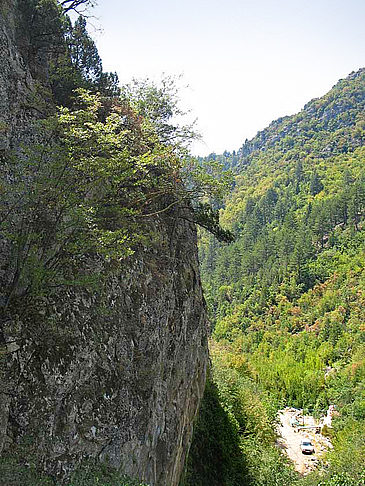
(289, 442)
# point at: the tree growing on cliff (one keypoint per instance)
(78, 64)
(62, 52)
(103, 169)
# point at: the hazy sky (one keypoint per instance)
(247, 62)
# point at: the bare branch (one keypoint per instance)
(68, 5)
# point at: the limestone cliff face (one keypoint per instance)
(115, 374)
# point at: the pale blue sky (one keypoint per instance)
(246, 62)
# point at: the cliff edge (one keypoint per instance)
(115, 374)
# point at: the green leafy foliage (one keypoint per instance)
(100, 173)
(234, 438)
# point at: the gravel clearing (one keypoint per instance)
(290, 438)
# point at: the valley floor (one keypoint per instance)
(290, 438)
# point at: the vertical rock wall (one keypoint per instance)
(116, 374)
(16, 83)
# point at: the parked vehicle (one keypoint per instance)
(306, 446)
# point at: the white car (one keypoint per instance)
(306, 446)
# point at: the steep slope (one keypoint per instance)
(113, 372)
(298, 184)
(286, 297)
(15, 79)
(321, 128)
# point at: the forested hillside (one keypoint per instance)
(286, 298)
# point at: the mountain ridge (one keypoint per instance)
(261, 141)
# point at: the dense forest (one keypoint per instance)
(286, 298)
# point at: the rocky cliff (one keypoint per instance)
(115, 374)
(16, 82)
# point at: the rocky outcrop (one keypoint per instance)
(16, 83)
(114, 374)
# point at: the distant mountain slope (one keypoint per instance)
(298, 213)
(338, 112)
(302, 172)
(286, 298)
